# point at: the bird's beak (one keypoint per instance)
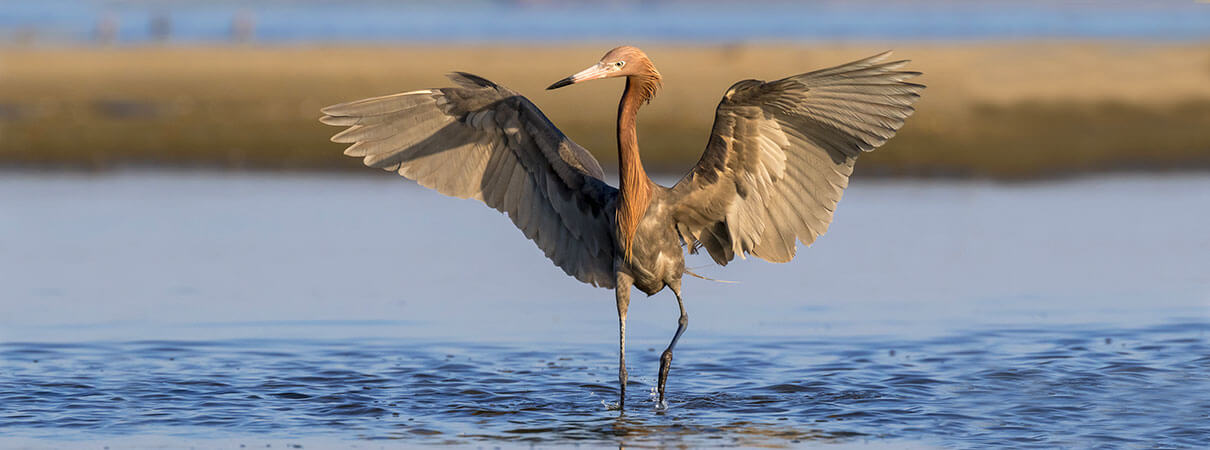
(596, 72)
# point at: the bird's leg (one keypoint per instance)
(622, 290)
(666, 358)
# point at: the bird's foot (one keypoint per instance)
(658, 398)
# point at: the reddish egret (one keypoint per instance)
(779, 157)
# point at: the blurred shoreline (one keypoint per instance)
(1003, 110)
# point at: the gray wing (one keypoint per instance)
(483, 141)
(780, 155)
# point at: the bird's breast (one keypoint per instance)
(656, 257)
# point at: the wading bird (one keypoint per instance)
(778, 158)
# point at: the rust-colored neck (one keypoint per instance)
(635, 186)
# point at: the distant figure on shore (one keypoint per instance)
(106, 32)
(160, 27)
(243, 26)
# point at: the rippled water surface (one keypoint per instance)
(192, 309)
(1008, 387)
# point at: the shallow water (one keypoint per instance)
(1016, 388)
(152, 309)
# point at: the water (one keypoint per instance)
(1010, 387)
(171, 309)
(641, 21)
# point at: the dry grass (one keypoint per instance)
(998, 110)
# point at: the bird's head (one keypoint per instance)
(624, 61)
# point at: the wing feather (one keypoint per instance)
(780, 155)
(483, 141)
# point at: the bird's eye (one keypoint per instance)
(619, 64)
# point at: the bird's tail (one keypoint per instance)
(690, 272)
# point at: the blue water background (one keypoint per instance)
(316, 21)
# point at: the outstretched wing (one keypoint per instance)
(484, 141)
(780, 155)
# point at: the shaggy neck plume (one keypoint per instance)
(635, 186)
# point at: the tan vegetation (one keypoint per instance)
(1000, 110)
